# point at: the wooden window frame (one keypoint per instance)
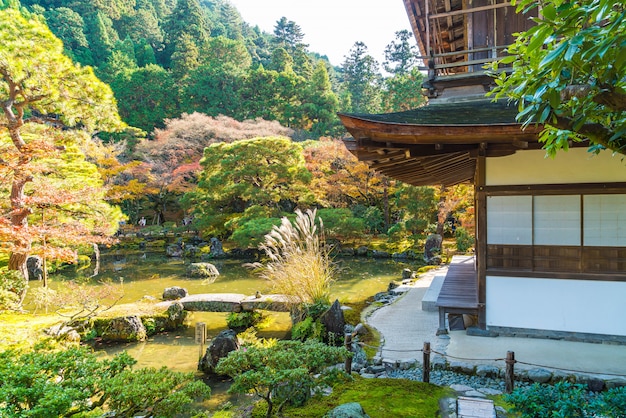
(574, 262)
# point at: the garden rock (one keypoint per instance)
(461, 388)
(126, 328)
(362, 251)
(460, 366)
(347, 410)
(348, 252)
(334, 322)
(407, 274)
(202, 270)
(432, 247)
(175, 292)
(34, 264)
(225, 342)
(380, 254)
(176, 315)
(217, 251)
(490, 392)
(539, 375)
(405, 255)
(487, 371)
(64, 333)
(174, 250)
(595, 385)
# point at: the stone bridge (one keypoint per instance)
(233, 302)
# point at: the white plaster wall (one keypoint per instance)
(573, 166)
(595, 307)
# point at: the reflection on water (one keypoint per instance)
(148, 274)
(142, 274)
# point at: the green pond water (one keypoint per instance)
(142, 274)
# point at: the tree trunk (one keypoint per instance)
(19, 212)
(386, 204)
(442, 213)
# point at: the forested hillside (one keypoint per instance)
(164, 58)
(225, 125)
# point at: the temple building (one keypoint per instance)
(550, 256)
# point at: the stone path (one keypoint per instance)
(404, 326)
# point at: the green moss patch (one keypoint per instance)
(379, 397)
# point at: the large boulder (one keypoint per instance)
(174, 250)
(202, 271)
(225, 342)
(217, 251)
(176, 315)
(126, 328)
(174, 292)
(347, 410)
(432, 249)
(334, 323)
(34, 264)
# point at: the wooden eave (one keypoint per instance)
(429, 154)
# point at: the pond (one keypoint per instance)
(142, 274)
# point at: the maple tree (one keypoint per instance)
(50, 106)
(171, 159)
(339, 179)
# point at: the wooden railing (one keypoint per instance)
(444, 64)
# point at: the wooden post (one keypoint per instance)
(201, 337)
(348, 345)
(426, 368)
(509, 378)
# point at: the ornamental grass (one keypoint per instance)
(299, 263)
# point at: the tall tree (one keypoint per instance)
(185, 58)
(289, 35)
(38, 84)
(320, 103)
(214, 90)
(402, 91)
(68, 25)
(362, 79)
(400, 54)
(146, 97)
(569, 73)
(143, 24)
(260, 95)
(101, 36)
(186, 18)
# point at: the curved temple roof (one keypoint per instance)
(438, 143)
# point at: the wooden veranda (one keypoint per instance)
(459, 292)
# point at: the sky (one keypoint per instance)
(331, 27)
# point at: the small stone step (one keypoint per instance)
(475, 408)
(429, 301)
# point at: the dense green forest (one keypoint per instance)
(179, 111)
(164, 58)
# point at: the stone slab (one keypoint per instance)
(277, 303)
(429, 301)
(475, 408)
(213, 302)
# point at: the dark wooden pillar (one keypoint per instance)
(481, 235)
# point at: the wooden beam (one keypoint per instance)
(471, 10)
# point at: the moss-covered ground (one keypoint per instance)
(380, 398)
